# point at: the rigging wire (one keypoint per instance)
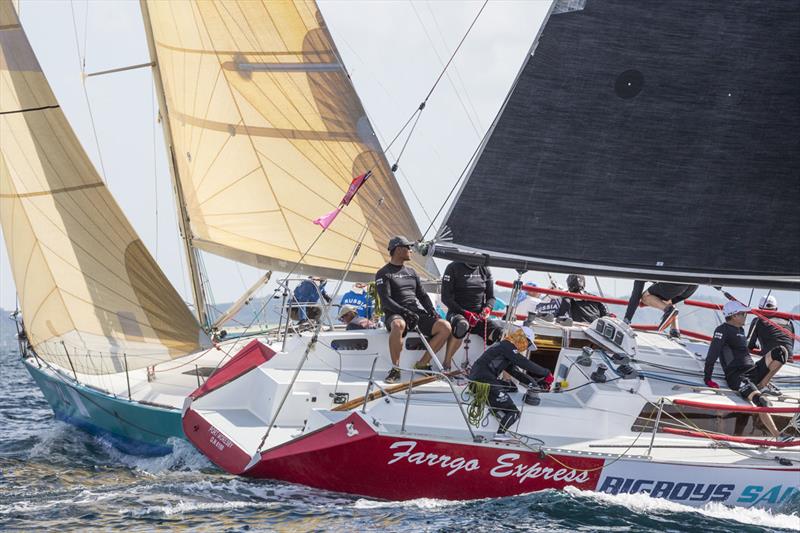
(82, 64)
(455, 69)
(453, 189)
(421, 107)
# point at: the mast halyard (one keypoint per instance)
(183, 215)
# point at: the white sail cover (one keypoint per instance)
(86, 283)
(268, 133)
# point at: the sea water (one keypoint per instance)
(54, 476)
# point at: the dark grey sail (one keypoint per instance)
(648, 139)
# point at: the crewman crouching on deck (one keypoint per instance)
(729, 345)
(507, 356)
(775, 337)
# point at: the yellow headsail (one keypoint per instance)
(268, 132)
(86, 283)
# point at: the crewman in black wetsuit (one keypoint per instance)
(508, 356)
(774, 337)
(580, 310)
(407, 306)
(468, 293)
(729, 345)
(662, 296)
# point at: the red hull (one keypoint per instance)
(397, 468)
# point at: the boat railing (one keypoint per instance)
(290, 302)
(711, 406)
(429, 376)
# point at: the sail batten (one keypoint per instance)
(268, 134)
(90, 293)
(650, 141)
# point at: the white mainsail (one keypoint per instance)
(267, 133)
(91, 294)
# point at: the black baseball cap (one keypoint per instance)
(398, 240)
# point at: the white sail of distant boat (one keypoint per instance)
(91, 294)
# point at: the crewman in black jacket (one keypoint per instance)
(775, 339)
(509, 356)
(580, 310)
(407, 306)
(729, 345)
(468, 293)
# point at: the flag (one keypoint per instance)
(326, 219)
(355, 185)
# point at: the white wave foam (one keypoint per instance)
(183, 507)
(29, 507)
(645, 504)
(419, 503)
(184, 457)
(52, 435)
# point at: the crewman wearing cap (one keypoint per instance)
(348, 314)
(775, 340)
(407, 307)
(729, 345)
(508, 355)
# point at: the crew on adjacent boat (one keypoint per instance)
(580, 310)
(662, 296)
(729, 345)
(309, 292)
(774, 337)
(349, 316)
(507, 356)
(468, 293)
(360, 300)
(407, 306)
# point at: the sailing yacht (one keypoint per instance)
(265, 132)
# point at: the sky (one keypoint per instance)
(394, 50)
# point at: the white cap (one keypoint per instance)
(768, 302)
(346, 309)
(733, 307)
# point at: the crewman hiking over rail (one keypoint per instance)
(729, 345)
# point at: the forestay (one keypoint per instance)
(653, 140)
(268, 132)
(86, 283)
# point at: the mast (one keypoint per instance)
(183, 216)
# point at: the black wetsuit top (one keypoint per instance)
(768, 336)
(400, 290)
(500, 357)
(729, 345)
(582, 310)
(466, 288)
